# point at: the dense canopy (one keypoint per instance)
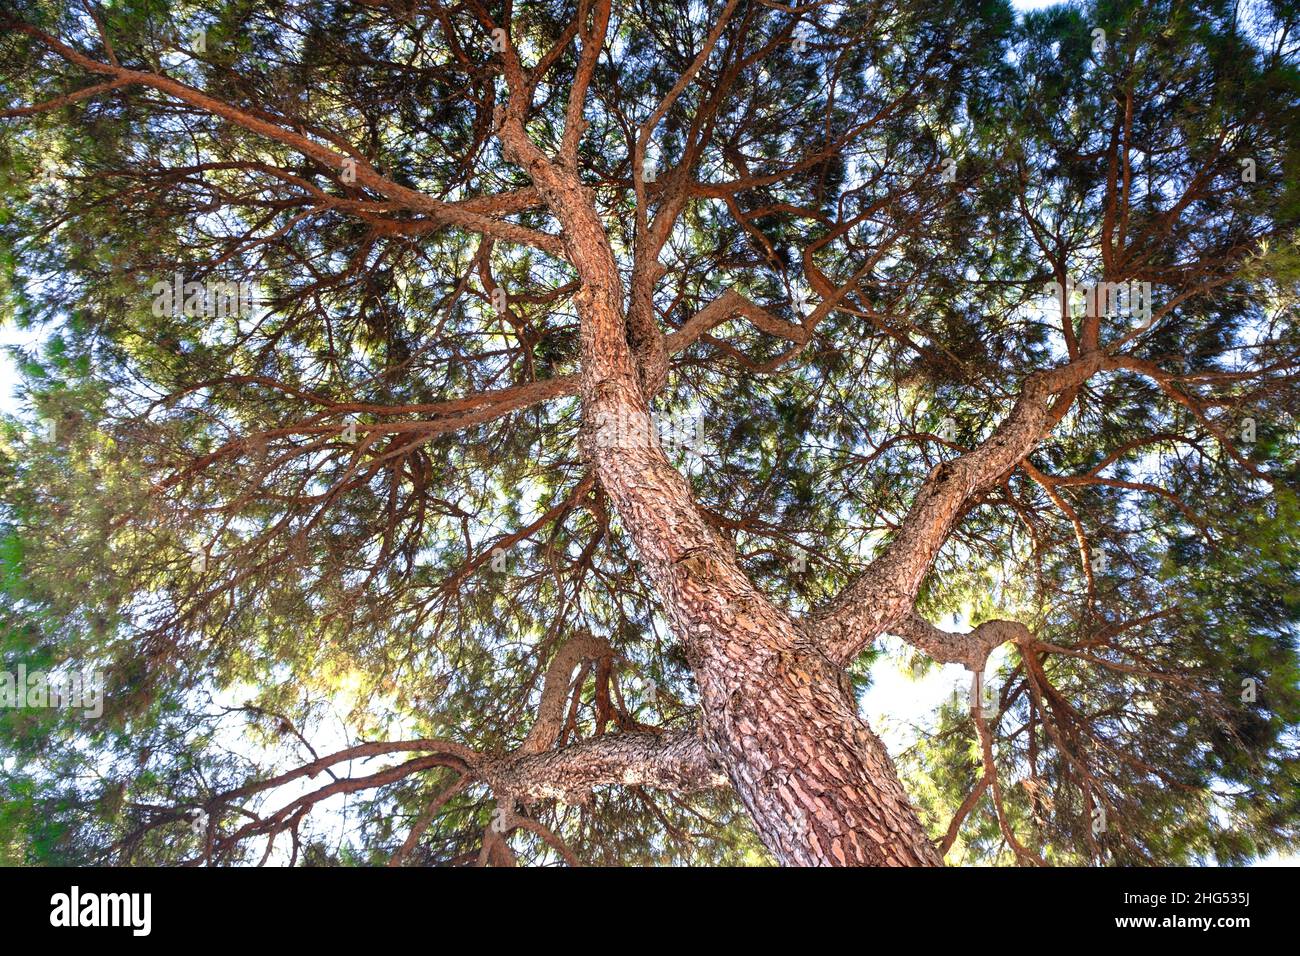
(441, 421)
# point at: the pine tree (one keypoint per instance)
(469, 433)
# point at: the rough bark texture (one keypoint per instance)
(819, 785)
(678, 761)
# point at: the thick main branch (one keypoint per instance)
(887, 589)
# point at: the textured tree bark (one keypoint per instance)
(818, 784)
(816, 781)
(678, 761)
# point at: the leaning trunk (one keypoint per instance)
(818, 784)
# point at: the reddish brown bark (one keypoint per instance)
(818, 784)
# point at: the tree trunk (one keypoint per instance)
(818, 784)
